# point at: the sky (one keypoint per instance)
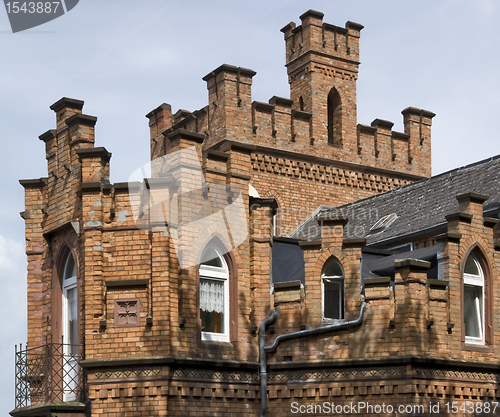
(124, 58)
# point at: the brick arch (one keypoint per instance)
(470, 243)
(325, 256)
(200, 241)
(279, 211)
(277, 196)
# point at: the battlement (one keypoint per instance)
(322, 39)
(319, 119)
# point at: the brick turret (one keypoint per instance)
(322, 62)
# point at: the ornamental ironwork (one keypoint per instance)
(47, 373)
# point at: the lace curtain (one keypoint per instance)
(211, 296)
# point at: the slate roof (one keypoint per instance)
(420, 205)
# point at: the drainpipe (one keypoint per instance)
(263, 360)
(264, 349)
(317, 330)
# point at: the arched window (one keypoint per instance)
(474, 301)
(70, 329)
(214, 295)
(334, 118)
(332, 284)
(301, 103)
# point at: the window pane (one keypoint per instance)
(72, 315)
(471, 266)
(333, 299)
(333, 269)
(473, 306)
(211, 258)
(212, 305)
(70, 269)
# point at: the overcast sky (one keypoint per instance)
(124, 58)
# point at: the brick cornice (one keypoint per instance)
(48, 409)
(416, 264)
(214, 155)
(473, 197)
(227, 145)
(418, 112)
(372, 282)
(438, 282)
(354, 243)
(83, 119)
(70, 103)
(328, 219)
(309, 244)
(91, 186)
(121, 283)
(450, 236)
(184, 134)
(167, 360)
(281, 101)
(280, 153)
(460, 216)
(490, 221)
(48, 135)
(161, 107)
(93, 152)
(40, 182)
(301, 114)
(395, 360)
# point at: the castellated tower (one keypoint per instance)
(322, 62)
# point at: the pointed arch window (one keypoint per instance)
(70, 330)
(301, 103)
(334, 118)
(214, 295)
(332, 284)
(474, 301)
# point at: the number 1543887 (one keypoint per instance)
(32, 7)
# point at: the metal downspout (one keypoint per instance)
(263, 360)
(264, 349)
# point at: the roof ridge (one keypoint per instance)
(422, 181)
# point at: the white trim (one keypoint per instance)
(221, 275)
(68, 283)
(476, 281)
(334, 278)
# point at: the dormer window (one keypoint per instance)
(332, 283)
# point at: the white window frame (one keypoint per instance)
(477, 281)
(337, 279)
(220, 275)
(69, 282)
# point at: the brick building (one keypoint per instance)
(383, 279)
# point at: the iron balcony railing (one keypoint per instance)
(47, 373)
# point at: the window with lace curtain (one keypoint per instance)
(214, 296)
